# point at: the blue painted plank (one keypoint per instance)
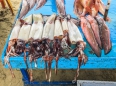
(105, 61)
(54, 83)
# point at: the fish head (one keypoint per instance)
(78, 8)
(86, 3)
(94, 10)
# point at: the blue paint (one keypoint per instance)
(35, 83)
(105, 61)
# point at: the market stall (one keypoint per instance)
(102, 62)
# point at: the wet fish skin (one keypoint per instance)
(95, 29)
(104, 34)
(86, 28)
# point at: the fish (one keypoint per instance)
(94, 10)
(89, 35)
(87, 6)
(78, 8)
(95, 29)
(104, 34)
(101, 6)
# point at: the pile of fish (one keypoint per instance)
(93, 25)
(96, 33)
(46, 38)
(91, 7)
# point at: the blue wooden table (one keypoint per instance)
(104, 62)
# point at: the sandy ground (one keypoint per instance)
(6, 22)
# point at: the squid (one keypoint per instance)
(104, 35)
(64, 23)
(76, 38)
(51, 57)
(25, 8)
(27, 5)
(87, 30)
(57, 51)
(12, 43)
(40, 3)
(48, 36)
(35, 37)
(58, 35)
(14, 34)
(49, 27)
(37, 27)
(23, 37)
(25, 29)
(31, 3)
(95, 29)
(65, 39)
(61, 7)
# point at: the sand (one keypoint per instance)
(6, 23)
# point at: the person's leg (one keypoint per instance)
(2, 3)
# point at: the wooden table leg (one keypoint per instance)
(10, 6)
(3, 4)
